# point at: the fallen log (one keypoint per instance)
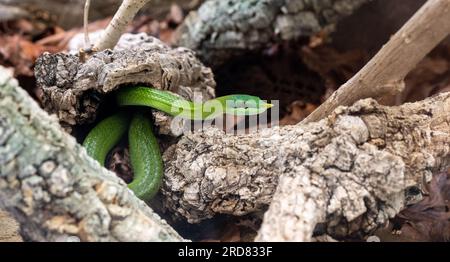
(220, 30)
(348, 171)
(55, 190)
(73, 89)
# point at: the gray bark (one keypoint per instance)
(348, 171)
(69, 13)
(72, 89)
(222, 29)
(55, 190)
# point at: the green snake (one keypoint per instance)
(174, 105)
(145, 155)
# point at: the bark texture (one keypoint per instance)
(55, 190)
(69, 13)
(221, 29)
(347, 172)
(9, 228)
(73, 89)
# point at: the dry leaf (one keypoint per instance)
(20, 53)
(297, 111)
(428, 220)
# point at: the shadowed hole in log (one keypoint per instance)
(278, 73)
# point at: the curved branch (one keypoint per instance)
(384, 74)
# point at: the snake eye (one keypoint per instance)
(246, 104)
(241, 104)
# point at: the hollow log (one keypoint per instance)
(73, 89)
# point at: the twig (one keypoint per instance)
(127, 10)
(384, 74)
(87, 41)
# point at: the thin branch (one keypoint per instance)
(384, 74)
(127, 10)
(87, 41)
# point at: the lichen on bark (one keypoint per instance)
(221, 29)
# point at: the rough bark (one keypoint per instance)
(9, 228)
(348, 171)
(383, 77)
(55, 190)
(221, 29)
(73, 89)
(69, 13)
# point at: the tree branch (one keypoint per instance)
(87, 41)
(384, 74)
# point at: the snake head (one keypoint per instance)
(244, 105)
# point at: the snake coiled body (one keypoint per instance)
(145, 154)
